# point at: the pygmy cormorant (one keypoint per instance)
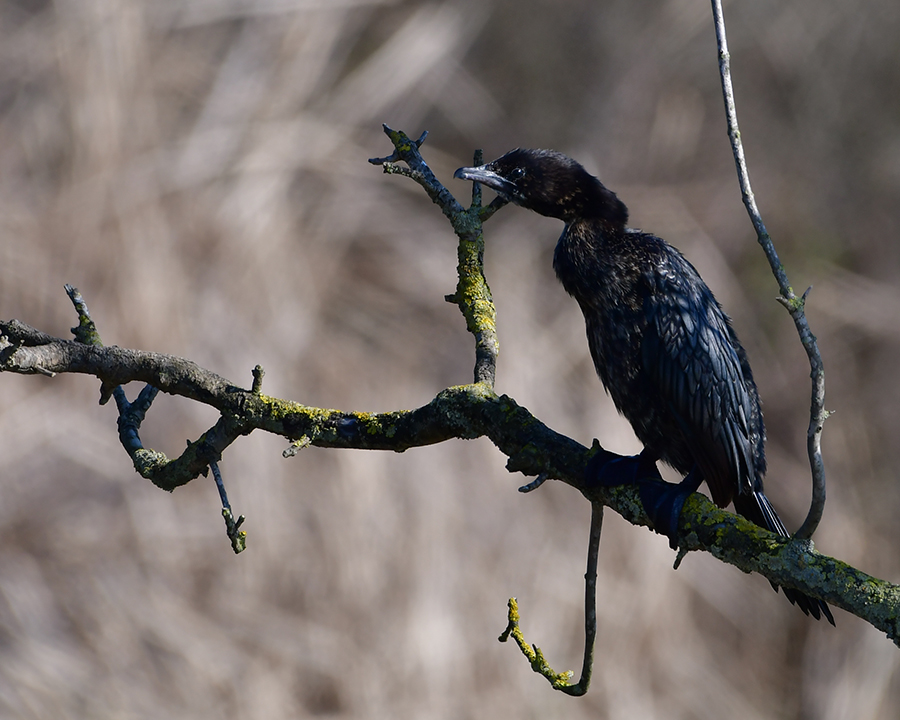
(661, 343)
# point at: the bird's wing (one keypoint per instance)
(690, 352)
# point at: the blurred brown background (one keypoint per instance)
(198, 169)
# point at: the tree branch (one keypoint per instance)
(472, 296)
(795, 306)
(464, 412)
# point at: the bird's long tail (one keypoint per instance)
(757, 508)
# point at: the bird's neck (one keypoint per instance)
(598, 204)
(584, 258)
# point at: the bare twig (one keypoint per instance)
(794, 305)
(232, 526)
(590, 603)
(131, 415)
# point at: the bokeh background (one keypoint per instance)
(198, 169)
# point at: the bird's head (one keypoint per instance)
(549, 183)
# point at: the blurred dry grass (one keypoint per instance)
(198, 170)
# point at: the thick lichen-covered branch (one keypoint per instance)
(462, 412)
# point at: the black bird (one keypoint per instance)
(661, 343)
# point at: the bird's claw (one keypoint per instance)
(663, 502)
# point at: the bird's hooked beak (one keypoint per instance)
(486, 176)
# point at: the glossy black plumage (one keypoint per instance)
(661, 343)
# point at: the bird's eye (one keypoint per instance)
(517, 173)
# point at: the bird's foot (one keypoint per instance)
(664, 501)
(611, 470)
